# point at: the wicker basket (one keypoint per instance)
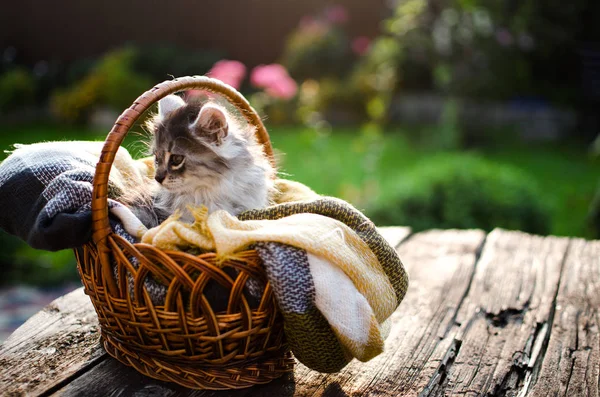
(185, 340)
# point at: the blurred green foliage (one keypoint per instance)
(278, 111)
(112, 83)
(160, 62)
(75, 89)
(17, 89)
(486, 49)
(489, 50)
(462, 191)
(369, 169)
(376, 77)
(23, 264)
(317, 49)
(319, 55)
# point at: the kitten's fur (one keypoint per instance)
(204, 157)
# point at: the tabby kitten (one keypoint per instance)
(204, 157)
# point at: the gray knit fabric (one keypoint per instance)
(46, 193)
(287, 269)
(307, 331)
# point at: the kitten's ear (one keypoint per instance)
(168, 104)
(212, 124)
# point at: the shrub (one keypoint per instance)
(276, 111)
(121, 83)
(161, 61)
(17, 89)
(319, 47)
(464, 191)
(73, 105)
(112, 83)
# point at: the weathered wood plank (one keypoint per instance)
(394, 234)
(504, 320)
(441, 265)
(50, 347)
(111, 378)
(572, 363)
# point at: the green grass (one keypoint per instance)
(341, 164)
(566, 174)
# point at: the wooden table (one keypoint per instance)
(505, 313)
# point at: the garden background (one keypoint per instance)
(423, 113)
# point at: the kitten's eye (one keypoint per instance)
(176, 160)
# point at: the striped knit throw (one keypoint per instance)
(335, 278)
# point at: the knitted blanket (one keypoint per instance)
(335, 278)
(46, 191)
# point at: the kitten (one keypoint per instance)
(204, 157)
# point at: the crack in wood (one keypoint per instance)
(52, 346)
(487, 327)
(506, 316)
(453, 321)
(536, 347)
(441, 373)
(572, 351)
(439, 376)
(569, 367)
(538, 354)
(520, 373)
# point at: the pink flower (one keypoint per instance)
(337, 14)
(263, 75)
(283, 89)
(361, 45)
(229, 72)
(504, 37)
(275, 80)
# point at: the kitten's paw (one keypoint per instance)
(130, 222)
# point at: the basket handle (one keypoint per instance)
(100, 224)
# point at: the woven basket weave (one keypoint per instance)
(185, 340)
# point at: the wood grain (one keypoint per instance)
(51, 347)
(572, 362)
(441, 265)
(394, 235)
(504, 321)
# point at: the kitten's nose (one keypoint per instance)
(160, 177)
